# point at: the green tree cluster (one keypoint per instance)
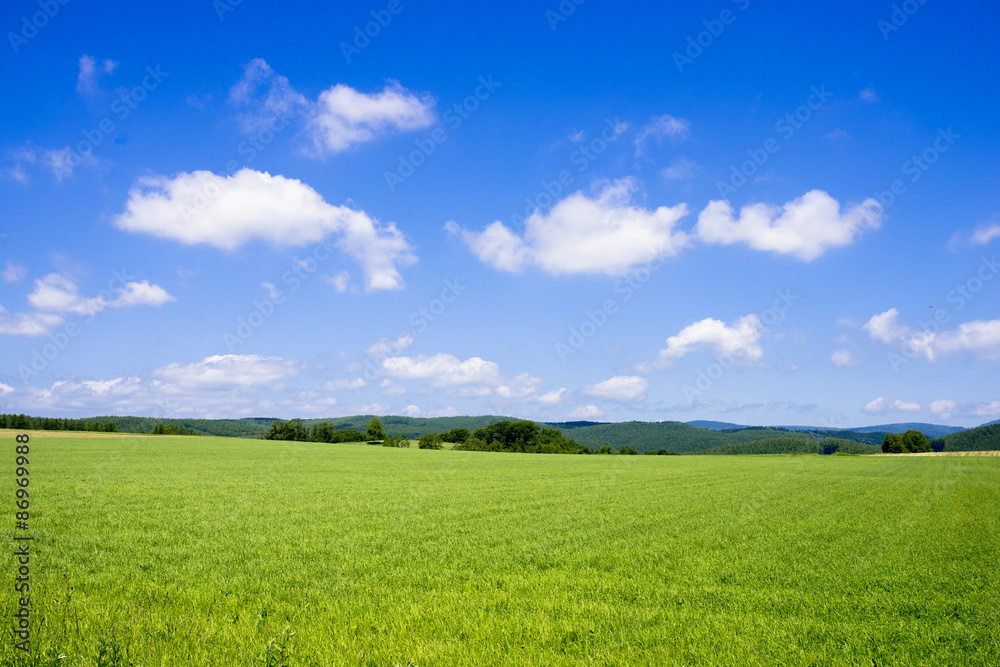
(906, 443)
(296, 430)
(520, 436)
(55, 424)
(171, 429)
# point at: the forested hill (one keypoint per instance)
(981, 439)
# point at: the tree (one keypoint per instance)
(375, 430)
(606, 449)
(429, 441)
(396, 441)
(627, 451)
(893, 444)
(938, 444)
(915, 441)
(457, 435)
(287, 430)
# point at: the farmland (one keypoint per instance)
(221, 551)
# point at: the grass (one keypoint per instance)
(208, 551)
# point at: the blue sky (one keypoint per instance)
(766, 213)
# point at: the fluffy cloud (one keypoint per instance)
(471, 377)
(339, 119)
(842, 358)
(5, 389)
(475, 375)
(27, 324)
(943, 409)
(229, 371)
(267, 95)
(987, 409)
(386, 346)
(985, 234)
(14, 272)
(586, 413)
(553, 397)
(344, 117)
(660, 127)
(978, 338)
(739, 340)
(623, 389)
(58, 294)
(877, 406)
(86, 80)
(804, 228)
(227, 212)
(606, 234)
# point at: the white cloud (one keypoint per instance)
(624, 389)
(229, 371)
(519, 388)
(660, 127)
(340, 282)
(445, 370)
(58, 294)
(14, 272)
(252, 205)
(978, 338)
(869, 95)
(86, 80)
(411, 411)
(682, 169)
(5, 389)
(943, 409)
(471, 377)
(985, 233)
(344, 384)
(27, 324)
(987, 409)
(842, 358)
(339, 119)
(389, 388)
(885, 327)
(267, 93)
(907, 406)
(344, 117)
(805, 228)
(587, 413)
(141, 294)
(739, 340)
(604, 234)
(386, 346)
(877, 406)
(553, 397)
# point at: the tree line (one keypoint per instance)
(55, 424)
(295, 429)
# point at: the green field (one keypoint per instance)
(211, 551)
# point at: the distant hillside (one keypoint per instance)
(930, 430)
(980, 439)
(713, 426)
(692, 438)
(795, 444)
